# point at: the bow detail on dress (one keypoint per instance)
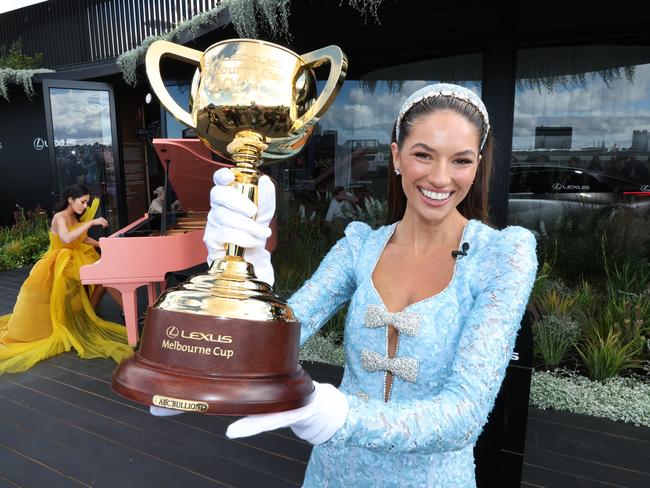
(405, 368)
(405, 322)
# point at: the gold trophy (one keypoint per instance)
(223, 342)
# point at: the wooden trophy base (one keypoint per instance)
(215, 365)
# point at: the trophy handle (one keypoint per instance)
(338, 70)
(155, 53)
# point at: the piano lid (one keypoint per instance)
(189, 165)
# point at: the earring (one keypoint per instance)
(397, 172)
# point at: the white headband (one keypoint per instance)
(446, 90)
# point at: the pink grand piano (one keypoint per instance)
(141, 254)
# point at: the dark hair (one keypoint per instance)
(475, 205)
(72, 191)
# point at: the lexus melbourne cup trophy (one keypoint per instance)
(223, 342)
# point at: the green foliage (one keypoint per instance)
(541, 281)
(553, 302)
(373, 212)
(22, 77)
(606, 356)
(553, 338)
(579, 80)
(15, 59)
(26, 241)
(628, 315)
(323, 348)
(249, 17)
(620, 399)
(627, 278)
(246, 16)
(18, 68)
(582, 244)
(302, 243)
(587, 303)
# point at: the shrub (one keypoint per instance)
(323, 349)
(553, 337)
(587, 303)
(580, 244)
(607, 356)
(26, 241)
(373, 212)
(628, 278)
(620, 399)
(555, 302)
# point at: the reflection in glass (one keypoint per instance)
(181, 95)
(349, 151)
(580, 136)
(83, 144)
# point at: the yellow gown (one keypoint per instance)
(53, 312)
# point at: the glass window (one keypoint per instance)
(83, 144)
(181, 95)
(580, 136)
(580, 174)
(342, 173)
(350, 147)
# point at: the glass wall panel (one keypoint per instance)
(83, 145)
(342, 174)
(181, 95)
(580, 173)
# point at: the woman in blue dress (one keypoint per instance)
(428, 335)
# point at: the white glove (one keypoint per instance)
(234, 219)
(316, 422)
(164, 412)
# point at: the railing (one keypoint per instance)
(70, 32)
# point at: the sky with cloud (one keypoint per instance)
(597, 112)
(359, 113)
(82, 115)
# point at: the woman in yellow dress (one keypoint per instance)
(54, 312)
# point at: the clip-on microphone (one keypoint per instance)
(462, 251)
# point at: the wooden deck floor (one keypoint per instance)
(62, 426)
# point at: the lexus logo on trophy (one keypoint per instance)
(223, 342)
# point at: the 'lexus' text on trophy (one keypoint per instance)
(223, 342)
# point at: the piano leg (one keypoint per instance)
(130, 305)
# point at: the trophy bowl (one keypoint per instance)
(222, 342)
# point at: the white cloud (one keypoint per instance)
(360, 114)
(596, 112)
(83, 115)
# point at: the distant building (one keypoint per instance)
(327, 145)
(370, 145)
(553, 137)
(639, 140)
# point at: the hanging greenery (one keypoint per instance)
(578, 80)
(18, 68)
(367, 7)
(22, 77)
(14, 57)
(247, 16)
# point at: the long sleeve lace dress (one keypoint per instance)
(453, 349)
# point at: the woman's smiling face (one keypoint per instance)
(438, 161)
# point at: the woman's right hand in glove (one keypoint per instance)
(234, 219)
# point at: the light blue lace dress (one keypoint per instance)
(452, 354)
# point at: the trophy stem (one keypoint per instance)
(246, 149)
